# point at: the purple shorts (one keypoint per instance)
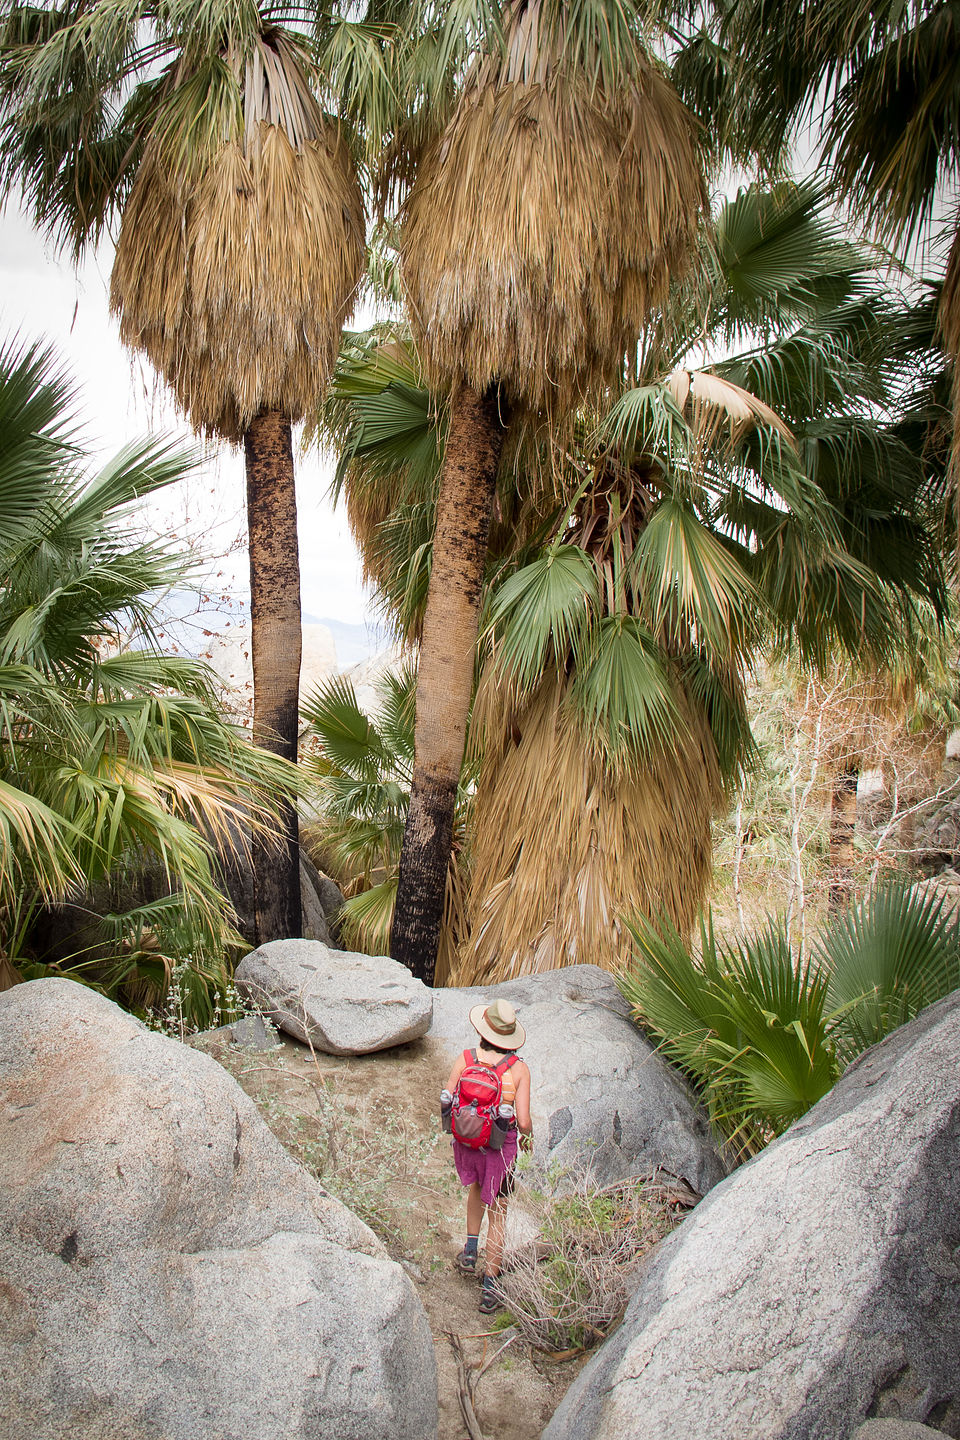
(492, 1170)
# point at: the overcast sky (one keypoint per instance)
(41, 297)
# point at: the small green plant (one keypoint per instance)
(763, 1029)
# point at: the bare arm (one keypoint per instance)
(522, 1100)
(455, 1074)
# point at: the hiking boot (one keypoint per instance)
(465, 1263)
(491, 1296)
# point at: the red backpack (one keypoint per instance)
(477, 1099)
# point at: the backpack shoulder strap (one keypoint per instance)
(469, 1057)
(505, 1064)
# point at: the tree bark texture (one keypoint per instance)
(843, 826)
(275, 646)
(445, 676)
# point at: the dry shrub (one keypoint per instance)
(573, 1290)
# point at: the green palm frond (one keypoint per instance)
(648, 420)
(887, 959)
(896, 118)
(350, 740)
(365, 919)
(821, 366)
(780, 259)
(379, 412)
(362, 60)
(198, 115)
(139, 469)
(540, 614)
(624, 692)
(784, 1056)
(673, 995)
(149, 671)
(691, 581)
(764, 1032)
(108, 762)
(395, 717)
(721, 699)
(38, 430)
(400, 556)
(746, 1022)
(363, 770)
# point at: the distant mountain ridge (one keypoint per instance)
(192, 618)
(355, 642)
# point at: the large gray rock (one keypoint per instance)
(313, 917)
(818, 1286)
(167, 1272)
(600, 1095)
(337, 1001)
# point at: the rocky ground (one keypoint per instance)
(368, 1127)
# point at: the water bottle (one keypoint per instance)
(500, 1129)
(446, 1111)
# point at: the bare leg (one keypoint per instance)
(474, 1210)
(496, 1226)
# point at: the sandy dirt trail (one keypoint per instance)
(392, 1099)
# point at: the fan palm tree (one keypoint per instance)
(240, 248)
(619, 620)
(702, 536)
(112, 756)
(547, 211)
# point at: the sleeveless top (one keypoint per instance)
(508, 1084)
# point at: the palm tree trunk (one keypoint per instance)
(445, 676)
(275, 645)
(843, 826)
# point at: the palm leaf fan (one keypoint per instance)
(390, 442)
(547, 218)
(241, 247)
(719, 410)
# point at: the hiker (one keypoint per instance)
(487, 1100)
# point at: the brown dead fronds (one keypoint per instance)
(562, 845)
(235, 277)
(546, 221)
(720, 412)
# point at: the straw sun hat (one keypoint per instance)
(498, 1023)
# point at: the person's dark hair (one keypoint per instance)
(498, 1049)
